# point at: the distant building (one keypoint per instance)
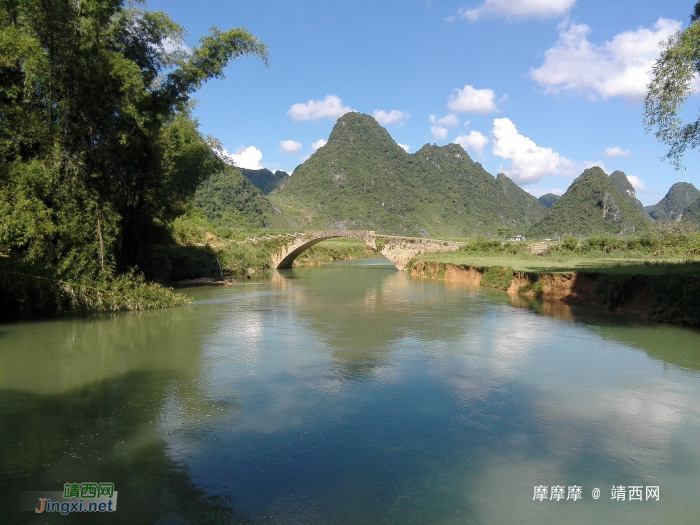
(517, 238)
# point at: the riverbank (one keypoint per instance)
(660, 291)
(224, 260)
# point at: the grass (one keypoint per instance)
(591, 263)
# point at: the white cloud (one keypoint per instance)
(449, 120)
(405, 147)
(511, 9)
(318, 144)
(616, 151)
(619, 67)
(475, 141)
(439, 133)
(642, 191)
(290, 146)
(528, 161)
(637, 183)
(390, 117)
(248, 158)
(330, 107)
(472, 100)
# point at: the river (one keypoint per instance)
(352, 393)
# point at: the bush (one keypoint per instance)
(238, 257)
(496, 277)
(569, 244)
(30, 291)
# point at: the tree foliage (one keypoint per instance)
(97, 146)
(228, 200)
(672, 83)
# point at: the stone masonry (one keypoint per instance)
(399, 250)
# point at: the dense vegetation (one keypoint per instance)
(692, 213)
(361, 179)
(228, 199)
(592, 205)
(98, 152)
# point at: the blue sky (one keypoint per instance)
(537, 89)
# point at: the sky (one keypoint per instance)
(536, 89)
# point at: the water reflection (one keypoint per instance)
(104, 431)
(354, 394)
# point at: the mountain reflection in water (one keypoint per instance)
(352, 393)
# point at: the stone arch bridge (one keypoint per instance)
(399, 250)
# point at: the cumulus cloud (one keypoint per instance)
(439, 133)
(637, 183)
(449, 120)
(318, 144)
(290, 146)
(390, 117)
(248, 158)
(619, 67)
(517, 9)
(470, 100)
(475, 141)
(528, 161)
(643, 192)
(405, 147)
(330, 107)
(616, 151)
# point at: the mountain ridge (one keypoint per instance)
(591, 205)
(362, 179)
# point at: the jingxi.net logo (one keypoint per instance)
(76, 497)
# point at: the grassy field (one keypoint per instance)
(599, 263)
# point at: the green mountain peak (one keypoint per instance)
(362, 179)
(592, 205)
(548, 199)
(624, 186)
(672, 206)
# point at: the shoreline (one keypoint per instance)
(671, 299)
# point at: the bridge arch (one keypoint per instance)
(291, 256)
(399, 250)
(285, 257)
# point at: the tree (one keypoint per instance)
(672, 83)
(97, 145)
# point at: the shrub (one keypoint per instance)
(497, 277)
(569, 244)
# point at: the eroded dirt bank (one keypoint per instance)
(669, 298)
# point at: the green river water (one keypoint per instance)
(351, 393)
